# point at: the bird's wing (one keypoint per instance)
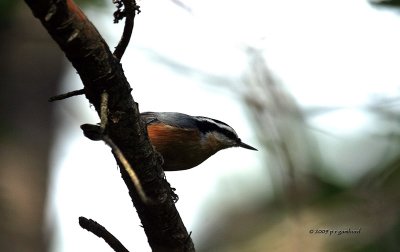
(174, 119)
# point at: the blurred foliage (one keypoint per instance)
(306, 198)
(393, 3)
(7, 7)
(98, 3)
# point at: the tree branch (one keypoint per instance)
(101, 71)
(100, 231)
(67, 95)
(129, 13)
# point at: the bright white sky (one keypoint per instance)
(327, 53)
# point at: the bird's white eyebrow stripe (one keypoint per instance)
(218, 123)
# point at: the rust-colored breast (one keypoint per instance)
(181, 148)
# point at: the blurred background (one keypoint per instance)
(314, 85)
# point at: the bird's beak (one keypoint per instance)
(246, 146)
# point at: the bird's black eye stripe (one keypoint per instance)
(205, 125)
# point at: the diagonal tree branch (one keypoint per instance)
(100, 70)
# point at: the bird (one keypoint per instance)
(186, 141)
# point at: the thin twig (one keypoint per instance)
(67, 95)
(130, 12)
(117, 151)
(100, 231)
(95, 132)
(128, 168)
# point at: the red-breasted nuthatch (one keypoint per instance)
(186, 141)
